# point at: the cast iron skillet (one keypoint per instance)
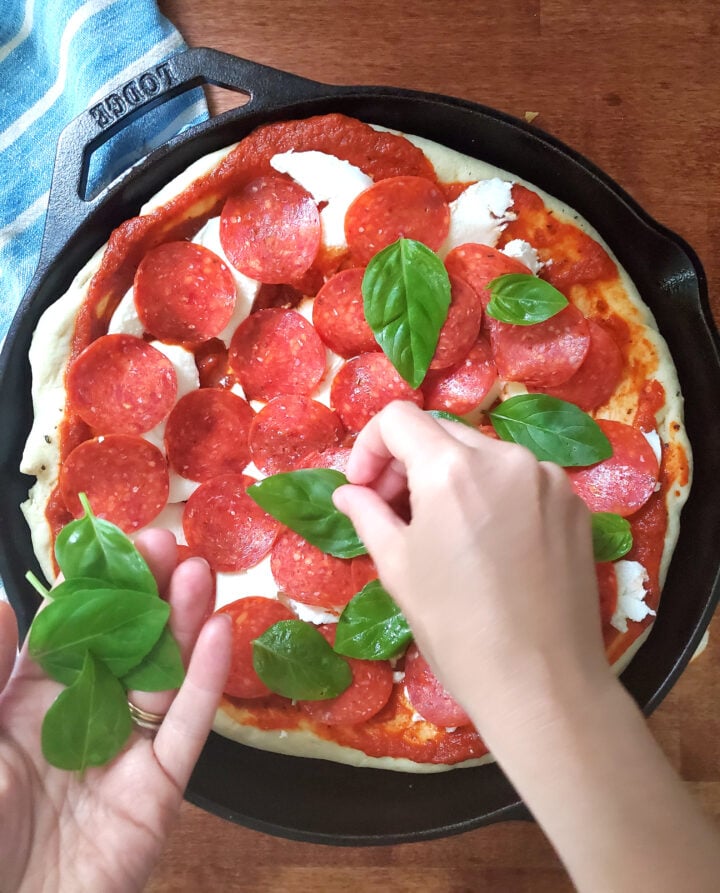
(309, 799)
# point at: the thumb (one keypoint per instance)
(8, 642)
(376, 523)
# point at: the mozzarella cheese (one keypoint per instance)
(327, 179)
(631, 579)
(479, 214)
(519, 249)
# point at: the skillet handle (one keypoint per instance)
(68, 204)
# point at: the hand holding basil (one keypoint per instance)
(104, 631)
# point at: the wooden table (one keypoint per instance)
(635, 87)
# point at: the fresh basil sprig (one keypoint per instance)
(553, 429)
(89, 722)
(371, 626)
(104, 631)
(295, 660)
(406, 296)
(523, 299)
(611, 536)
(302, 501)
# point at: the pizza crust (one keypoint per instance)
(50, 353)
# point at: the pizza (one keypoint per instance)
(220, 338)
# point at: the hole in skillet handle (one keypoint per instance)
(115, 128)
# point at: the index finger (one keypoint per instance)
(404, 432)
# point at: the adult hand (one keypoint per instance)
(494, 573)
(60, 831)
(494, 569)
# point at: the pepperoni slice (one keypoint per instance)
(363, 572)
(364, 385)
(398, 207)
(251, 617)
(427, 694)
(480, 264)
(333, 457)
(625, 481)
(207, 434)
(339, 317)
(183, 292)
(121, 385)
(226, 527)
(462, 326)
(124, 477)
(289, 428)
(276, 352)
(270, 231)
(463, 387)
(545, 354)
(367, 694)
(308, 575)
(598, 376)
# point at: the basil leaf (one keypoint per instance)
(295, 660)
(406, 296)
(448, 416)
(372, 627)
(160, 670)
(118, 626)
(78, 584)
(611, 536)
(554, 430)
(523, 299)
(89, 723)
(302, 500)
(91, 547)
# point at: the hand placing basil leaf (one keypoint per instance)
(302, 500)
(118, 626)
(523, 299)
(91, 547)
(554, 430)
(295, 660)
(372, 627)
(89, 722)
(611, 536)
(406, 296)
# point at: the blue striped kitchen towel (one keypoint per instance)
(58, 58)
